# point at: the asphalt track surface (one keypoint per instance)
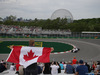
(89, 49)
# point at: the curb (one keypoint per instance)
(64, 51)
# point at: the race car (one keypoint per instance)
(75, 50)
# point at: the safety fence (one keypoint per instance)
(77, 35)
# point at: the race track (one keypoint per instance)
(89, 49)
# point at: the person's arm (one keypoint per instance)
(43, 69)
(76, 73)
(97, 71)
(5, 65)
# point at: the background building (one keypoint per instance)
(62, 13)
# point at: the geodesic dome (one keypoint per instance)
(62, 13)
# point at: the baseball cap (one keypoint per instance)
(74, 57)
(81, 61)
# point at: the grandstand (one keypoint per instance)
(37, 32)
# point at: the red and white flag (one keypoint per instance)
(27, 55)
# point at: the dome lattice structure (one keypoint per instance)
(62, 13)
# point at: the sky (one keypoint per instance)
(43, 9)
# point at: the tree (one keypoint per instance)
(1, 20)
(11, 18)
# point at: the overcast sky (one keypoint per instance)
(43, 9)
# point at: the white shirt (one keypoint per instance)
(64, 66)
(54, 69)
(12, 68)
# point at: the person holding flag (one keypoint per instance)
(29, 56)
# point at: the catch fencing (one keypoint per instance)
(47, 34)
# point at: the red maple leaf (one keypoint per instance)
(29, 56)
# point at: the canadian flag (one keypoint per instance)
(27, 55)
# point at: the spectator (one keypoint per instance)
(31, 69)
(3, 67)
(59, 69)
(46, 68)
(12, 67)
(98, 68)
(61, 65)
(88, 66)
(93, 66)
(81, 69)
(2, 61)
(54, 68)
(39, 69)
(64, 65)
(69, 68)
(74, 60)
(75, 65)
(41, 65)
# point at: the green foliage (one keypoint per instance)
(77, 25)
(1, 20)
(85, 25)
